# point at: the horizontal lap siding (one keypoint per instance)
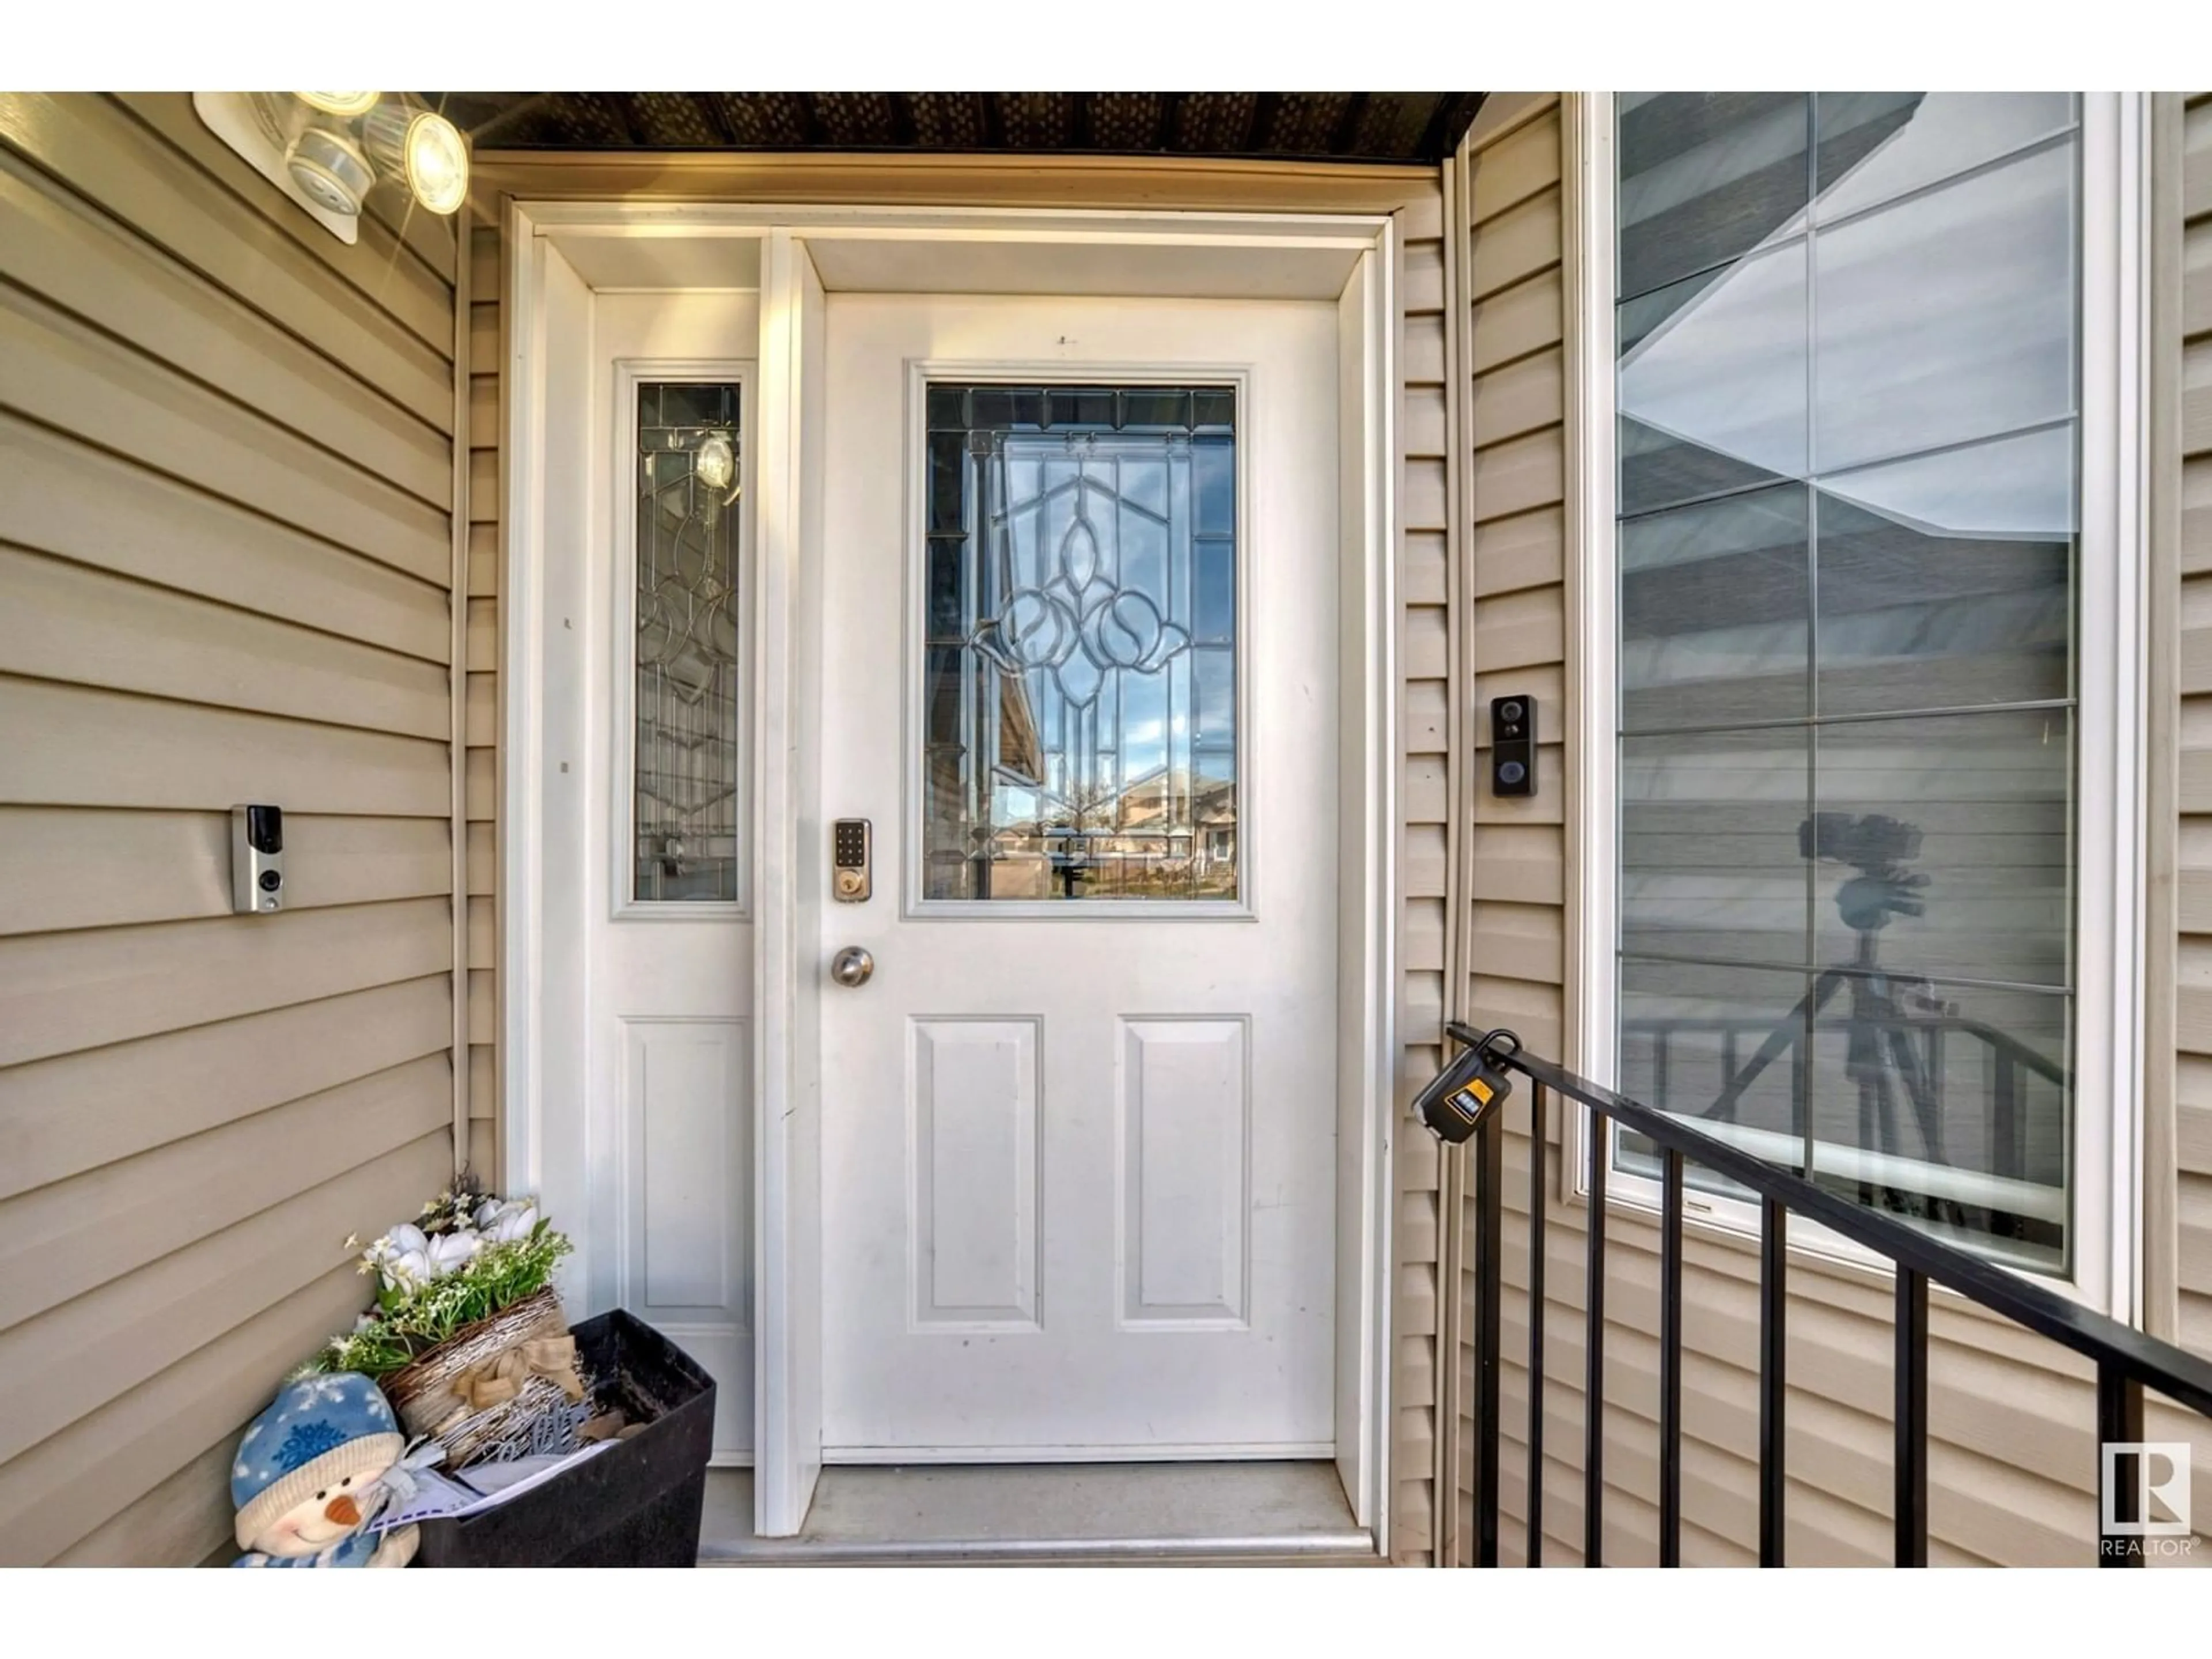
(1512, 637)
(486, 289)
(2012, 1459)
(1426, 777)
(226, 487)
(2193, 894)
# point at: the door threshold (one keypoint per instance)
(1009, 1514)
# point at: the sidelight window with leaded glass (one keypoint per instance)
(686, 663)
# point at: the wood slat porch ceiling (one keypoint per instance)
(1344, 126)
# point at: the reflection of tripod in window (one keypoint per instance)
(1880, 1054)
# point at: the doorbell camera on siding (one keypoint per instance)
(257, 860)
(1513, 745)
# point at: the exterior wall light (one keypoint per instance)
(343, 105)
(327, 151)
(329, 168)
(425, 149)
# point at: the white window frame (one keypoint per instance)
(2105, 1173)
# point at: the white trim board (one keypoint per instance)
(2110, 686)
(655, 245)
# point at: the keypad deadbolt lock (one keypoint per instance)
(852, 853)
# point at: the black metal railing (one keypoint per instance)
(2128, 1362)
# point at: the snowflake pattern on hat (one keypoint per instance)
(308, 1442)
(311, 1417)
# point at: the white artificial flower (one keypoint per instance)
(403, 1259)
(451, 1252)
(504, 1221)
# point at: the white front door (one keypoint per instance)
(660, 845)
(1080, 1123)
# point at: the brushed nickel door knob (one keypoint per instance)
(851, 966)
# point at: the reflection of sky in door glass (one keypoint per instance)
(1081, 684)
(1848, 493)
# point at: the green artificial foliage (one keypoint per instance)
(408, 1324)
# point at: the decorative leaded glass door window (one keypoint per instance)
(1080, 659)
(688, 754)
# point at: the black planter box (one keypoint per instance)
(635, 1504)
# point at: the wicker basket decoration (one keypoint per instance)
(432, 1394)
(466, 1337)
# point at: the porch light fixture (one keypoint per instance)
(329, 168)
(425, 149)
(327, 151)
(343, 105)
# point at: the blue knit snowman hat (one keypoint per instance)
(316, 1432)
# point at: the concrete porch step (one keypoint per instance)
(1247, 1514)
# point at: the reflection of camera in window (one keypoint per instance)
(1874, 843)
(1878, 847)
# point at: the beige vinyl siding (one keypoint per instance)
(2013, 1456)
(487, 287)
(1428, 771)
(1512, 628)
(2193, 887)
(226, 483)
(1428, 782)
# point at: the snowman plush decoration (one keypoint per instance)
(312, 1473)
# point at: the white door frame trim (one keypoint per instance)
(1356, 256)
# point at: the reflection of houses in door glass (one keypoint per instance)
(1080, 664)
(685, 806)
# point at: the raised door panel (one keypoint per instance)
(973, 1115)
(689, 1195)
(1184, 1104)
